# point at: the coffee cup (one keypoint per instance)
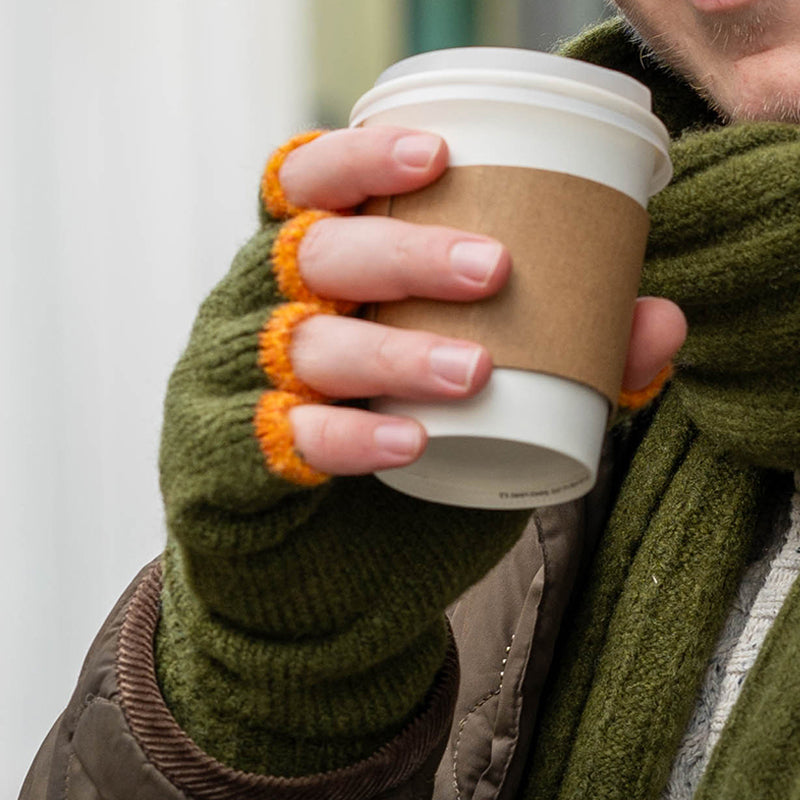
(556, 158)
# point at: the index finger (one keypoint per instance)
(343, 168)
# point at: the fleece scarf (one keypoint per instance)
(725, 245)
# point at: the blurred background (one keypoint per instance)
(132, 137)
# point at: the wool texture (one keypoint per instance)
(759, 598)
(285, 262)
(273, 199)
(274, 345)
(274, 432)
(757, 753)
(301, 626)
(640, 398)
(725, 245)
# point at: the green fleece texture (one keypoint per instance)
(725, 245)
(301, 628)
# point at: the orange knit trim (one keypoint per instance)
(285, 266)
(272, 195)
(276, 438)
(640, 398)
(274, 342)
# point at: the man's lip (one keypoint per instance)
(721, 6)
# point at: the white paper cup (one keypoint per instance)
(533, 436)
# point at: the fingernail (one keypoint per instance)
(455, 364)
(417, 150)
(398, 438)
(476, 261)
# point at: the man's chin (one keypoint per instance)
(773, 109)
(763, 86)
(746, 65)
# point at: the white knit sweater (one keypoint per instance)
(764, 587)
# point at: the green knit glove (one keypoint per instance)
(302, 627)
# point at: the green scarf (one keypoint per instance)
(302, 629)
(725, 245)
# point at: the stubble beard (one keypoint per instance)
(742, 32)
(737, 35)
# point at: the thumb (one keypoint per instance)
(657, 333)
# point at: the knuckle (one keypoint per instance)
(359, 150)
(337, 443)
(401, 358)
(416, 258)
(386, 352)
(323, 434)
(303, 346)
(400, 255)
(311, 427)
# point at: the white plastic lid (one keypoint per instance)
(518, 60)
(524, 78)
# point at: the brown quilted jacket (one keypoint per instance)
(117, 740)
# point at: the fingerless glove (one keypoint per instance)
(302, 626)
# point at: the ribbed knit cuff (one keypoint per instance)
(407, 761)
(302, 626)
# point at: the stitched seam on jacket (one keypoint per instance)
(85, 704)
(510, 752)
(90, 702)
(463, 721)
(71, 758)
(540, 605)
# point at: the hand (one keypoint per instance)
(374, 259)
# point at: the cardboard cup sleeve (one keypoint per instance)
(577, 248)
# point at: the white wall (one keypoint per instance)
(132, 135)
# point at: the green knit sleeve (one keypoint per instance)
(301, 628)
